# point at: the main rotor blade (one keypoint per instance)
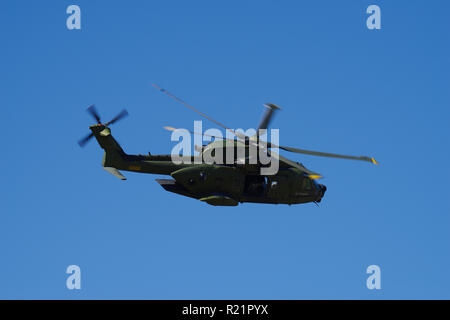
(82, 142)
(318, 153)
(237, 134)
(94, 113)
(268, 115)
(122, 114)
(327, 154)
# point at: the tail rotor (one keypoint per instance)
(92, 110)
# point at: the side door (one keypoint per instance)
(277, 188)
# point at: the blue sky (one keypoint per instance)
(343, 88)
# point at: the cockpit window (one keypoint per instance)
(306, 184)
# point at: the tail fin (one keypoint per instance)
(114, 155)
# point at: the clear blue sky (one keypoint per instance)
(342, 87)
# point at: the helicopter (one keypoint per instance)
(217, 183)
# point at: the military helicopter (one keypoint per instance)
(219, 184)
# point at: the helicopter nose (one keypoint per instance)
(323, 188)
(320, 192)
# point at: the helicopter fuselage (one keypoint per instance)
(215, 184)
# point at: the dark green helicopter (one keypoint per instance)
(219, 184)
